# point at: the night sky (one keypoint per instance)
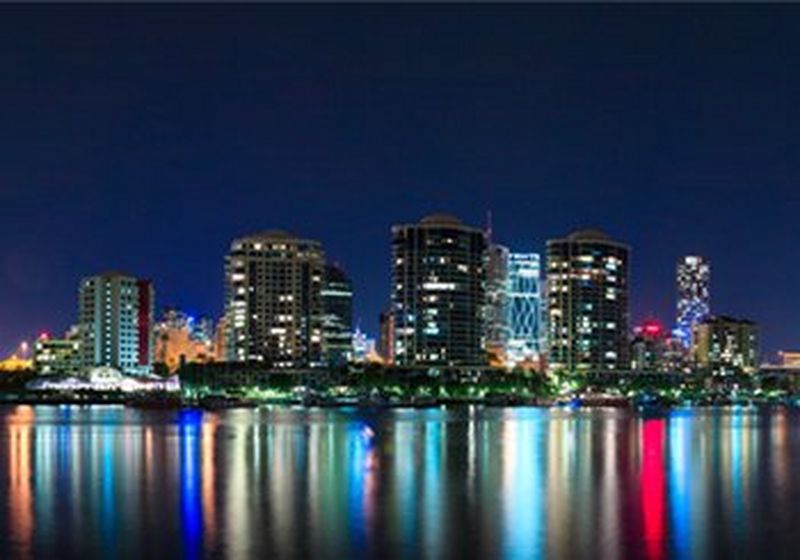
(146, 137)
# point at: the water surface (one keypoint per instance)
(111, 482)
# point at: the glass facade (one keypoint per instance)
(496, 312)
(438, 292)
(524, 308)
(337, 321)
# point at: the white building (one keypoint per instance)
(116, 323)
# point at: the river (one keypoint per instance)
(462, 482)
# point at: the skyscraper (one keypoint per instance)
(337, 321)
(438, 279)
(525, 308)
(693, 302)
(496, 311)
(587, 291)
(116, 322)
(273, 300)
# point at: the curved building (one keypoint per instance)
(438, 280)
(587, 299)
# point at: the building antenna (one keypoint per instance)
(489, 225)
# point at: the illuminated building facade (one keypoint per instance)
(337, 322)
(789, 359)
(587, 302)
(116, 323)
(496, 311)
(273, 300)
(438, 292)
(693, 302)
(201, 329)
(386, 338)
(649, 348)
(57, 356)
(15, 363)
(725, 345)
(221, 333)
(524, 308)
(180, 338)
(363, 348)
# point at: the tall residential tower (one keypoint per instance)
(438, 292)
(587, 291)
(116, 322)
(273, 300)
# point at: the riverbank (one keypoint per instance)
(176, 401)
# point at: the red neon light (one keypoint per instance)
(652, 487)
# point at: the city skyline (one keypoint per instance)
(547, 133)
(166, 306)
(376, 280)
(457, 299)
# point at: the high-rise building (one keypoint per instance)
(525, 309)
(337, 322)
(693, 301)
(273, 300)
(438, 294)
(724, 345)
(587, 293)
(496, 311)
(116, 322)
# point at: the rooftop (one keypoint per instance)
(589, 235)
(441, 219)
(728, 319)
(271, 234)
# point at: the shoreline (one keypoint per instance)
(174, 402)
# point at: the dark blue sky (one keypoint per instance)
(146, 137)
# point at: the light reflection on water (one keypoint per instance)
(90, 482)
